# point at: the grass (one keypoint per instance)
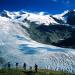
(27, 72)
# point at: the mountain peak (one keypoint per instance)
(39, 18)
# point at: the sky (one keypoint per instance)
(49, 6)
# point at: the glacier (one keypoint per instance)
(16, 45)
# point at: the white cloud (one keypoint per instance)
(41, 13)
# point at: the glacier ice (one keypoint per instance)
(17, 46)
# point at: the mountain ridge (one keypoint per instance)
(32, 22)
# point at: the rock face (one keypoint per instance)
(51, 34)
(59, 32)
(71, 17)
(57, 35)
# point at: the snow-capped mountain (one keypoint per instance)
(34, 37)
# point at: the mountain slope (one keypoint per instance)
(29, 37)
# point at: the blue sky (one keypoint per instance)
(50, 6)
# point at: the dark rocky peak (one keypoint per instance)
(70, 17)
(5, 14)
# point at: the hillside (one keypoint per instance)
(40, 72)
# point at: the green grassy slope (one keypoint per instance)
(40, 72)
